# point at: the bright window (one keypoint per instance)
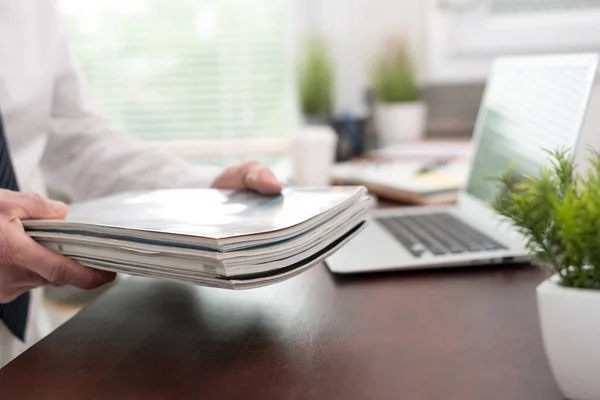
(188, 70)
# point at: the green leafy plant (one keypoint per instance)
(394, 78)
(316, 80)
(558, 213)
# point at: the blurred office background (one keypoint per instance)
(216, 80)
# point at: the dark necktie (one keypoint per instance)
(14, 314)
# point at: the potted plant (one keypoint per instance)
(558, 213)
(399, 111)
(313, 147)
(316, 83)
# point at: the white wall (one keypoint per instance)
(356, 30)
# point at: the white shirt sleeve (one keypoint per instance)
(86, 157)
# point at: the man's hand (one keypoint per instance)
(252, 176)
(24, 264)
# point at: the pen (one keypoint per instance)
(433, 166)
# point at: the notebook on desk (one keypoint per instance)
(425, 173)
(530, 104)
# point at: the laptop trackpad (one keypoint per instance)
(373, 248)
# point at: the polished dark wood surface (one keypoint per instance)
(448, 334)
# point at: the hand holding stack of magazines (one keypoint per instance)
(209, 237)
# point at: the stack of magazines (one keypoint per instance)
(227, 239)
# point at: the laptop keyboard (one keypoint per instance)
(438, 234)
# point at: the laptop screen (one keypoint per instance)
(527, 107)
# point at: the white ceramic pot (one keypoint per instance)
(399, 122)
(570, 323)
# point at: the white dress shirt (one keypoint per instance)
(55, 133)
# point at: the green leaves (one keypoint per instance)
(558, 212)
(394, 79)
(316, 78)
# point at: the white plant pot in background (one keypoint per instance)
(570, 323)
(399, 122)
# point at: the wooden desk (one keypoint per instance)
(454, 334)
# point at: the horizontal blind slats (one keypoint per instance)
(162, 71)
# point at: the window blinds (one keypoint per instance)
(187, 69)
(509, 6)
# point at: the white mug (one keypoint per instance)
(313, 155)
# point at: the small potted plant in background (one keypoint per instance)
(313, 148)
(558, 213)
(399, 111)
(316, 87)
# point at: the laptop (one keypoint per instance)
(529, 104)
